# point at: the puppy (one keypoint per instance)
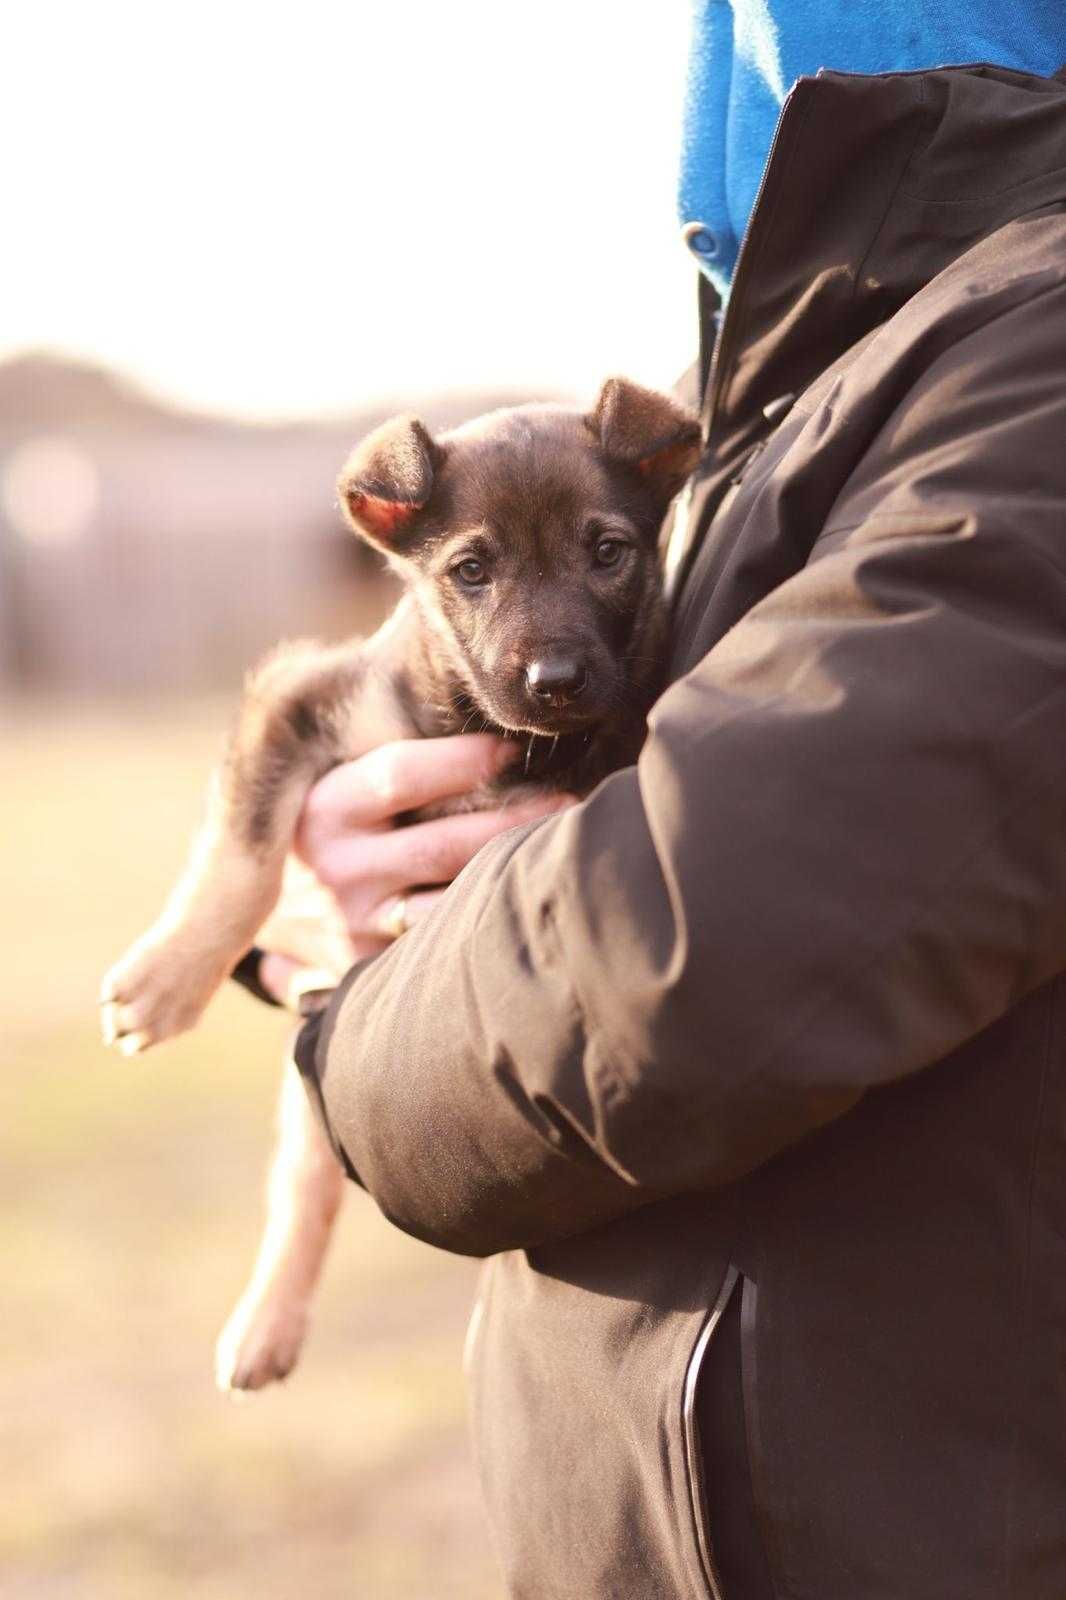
(527, 541)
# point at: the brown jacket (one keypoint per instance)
(789, 995)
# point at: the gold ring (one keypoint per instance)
(394, 922)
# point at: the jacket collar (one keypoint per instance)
(872, 187)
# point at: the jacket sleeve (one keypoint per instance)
(841, 853)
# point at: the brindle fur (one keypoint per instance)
(530, 494)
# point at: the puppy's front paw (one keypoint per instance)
(158, 989)
(259, 1344)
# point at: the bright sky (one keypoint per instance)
(278, 209)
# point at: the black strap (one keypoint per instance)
(246, 973)
(310, 1049)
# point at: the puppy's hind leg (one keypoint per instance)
(262, 1339)
(290, 730)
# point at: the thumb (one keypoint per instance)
(290, 983)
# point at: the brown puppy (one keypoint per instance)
(527, 541)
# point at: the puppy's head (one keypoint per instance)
(529, 541)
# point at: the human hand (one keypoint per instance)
(353, 868)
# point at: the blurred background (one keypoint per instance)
(236, 238)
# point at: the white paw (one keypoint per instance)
(157, 990)
(259, 1344)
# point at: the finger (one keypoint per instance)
(290, 983)
(429, 853)
(324, 942)
(275, 973)
(421, 904)
(398, 777)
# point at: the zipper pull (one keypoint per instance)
(776, 411)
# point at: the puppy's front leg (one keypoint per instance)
(262, 1339)
(293, 725)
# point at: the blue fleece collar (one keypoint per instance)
(746, 54)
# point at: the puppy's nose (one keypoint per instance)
(556, 679)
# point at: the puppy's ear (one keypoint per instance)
(388, 479)
(649, 431)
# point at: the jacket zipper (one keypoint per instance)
(716, 376)
(693, 1455)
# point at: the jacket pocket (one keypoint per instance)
(693, 1443)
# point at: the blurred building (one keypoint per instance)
(145, 549)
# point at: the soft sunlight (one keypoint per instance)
(275, 210)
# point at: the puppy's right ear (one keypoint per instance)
(388, 479)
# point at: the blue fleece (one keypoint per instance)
(745, 55)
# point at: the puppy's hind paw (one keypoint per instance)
(260, 1344)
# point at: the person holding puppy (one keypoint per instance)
(747, 1074)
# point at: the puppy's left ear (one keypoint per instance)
(647, 430)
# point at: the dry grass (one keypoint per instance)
(131, 1199)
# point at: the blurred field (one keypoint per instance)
(131, 1201)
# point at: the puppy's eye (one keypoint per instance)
(471, 573)
(609, 552)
